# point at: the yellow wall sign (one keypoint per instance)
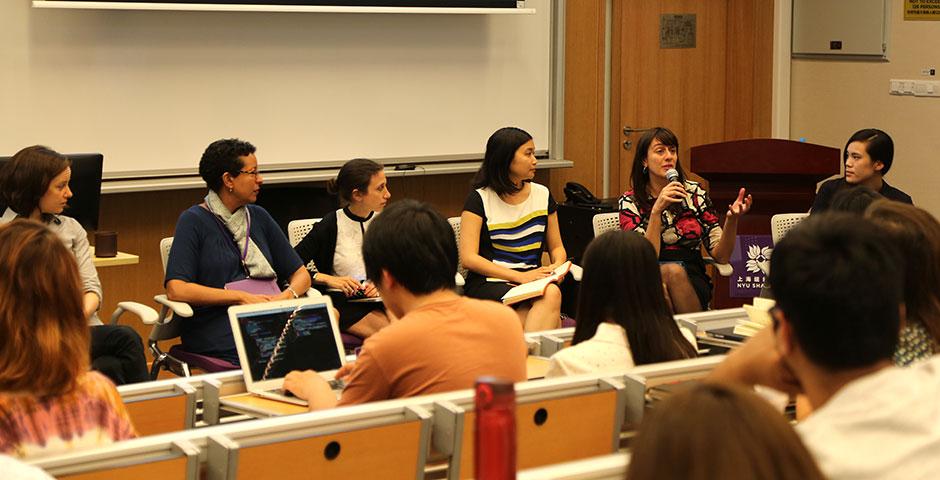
(922, 9)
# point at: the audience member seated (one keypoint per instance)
(623, 319)
(917, 233)
(711, 431)
(868, 156)
(507, 222)
(838, 287)
(226, 239)
(49, 401)
(335, 246)
(35, 185)
(442, 341)
(677, 217)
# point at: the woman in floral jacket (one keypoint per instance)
(678, 218)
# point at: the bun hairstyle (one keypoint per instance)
(354, 175)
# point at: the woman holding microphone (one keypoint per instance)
(677, 216)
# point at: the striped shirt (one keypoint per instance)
(513, 236)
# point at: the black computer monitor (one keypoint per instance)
(85, 185)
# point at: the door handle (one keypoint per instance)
(627, 130)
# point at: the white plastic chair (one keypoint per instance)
(781, 223)
(605, 222)
(298, 229)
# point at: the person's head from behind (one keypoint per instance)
(867, 154)
(622, 284)
(837, 282)
(43, 332)
(657, 152)
(230, 169)
(362, 182)
(509, 161)
(35, 182)
(854, 200)
(718, 431)
(916, 233)
(409, 250)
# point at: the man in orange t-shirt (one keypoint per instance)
(442, 341)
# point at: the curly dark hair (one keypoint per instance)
(220, 157)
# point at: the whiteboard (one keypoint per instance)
(151, 89)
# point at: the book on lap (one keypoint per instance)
(535, 288)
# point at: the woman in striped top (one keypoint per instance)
(506, 224)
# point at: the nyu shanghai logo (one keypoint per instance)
(751, 262)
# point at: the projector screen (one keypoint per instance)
(150, 89)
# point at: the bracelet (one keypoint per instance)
(291, 290)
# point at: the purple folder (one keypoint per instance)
(255, 286)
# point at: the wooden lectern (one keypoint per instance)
(781, 175)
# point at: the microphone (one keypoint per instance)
(672, 175)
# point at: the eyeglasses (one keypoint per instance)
(253, 173)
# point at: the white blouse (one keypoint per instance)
(607, 351)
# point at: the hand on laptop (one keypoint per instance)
(370, 289)
(310, 386)
(345, 370)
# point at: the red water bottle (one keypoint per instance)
(494, 446)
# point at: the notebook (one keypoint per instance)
(275, 338)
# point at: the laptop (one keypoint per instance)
(275, 338)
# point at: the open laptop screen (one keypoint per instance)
(286, 338)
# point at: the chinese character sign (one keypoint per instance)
(751, 262)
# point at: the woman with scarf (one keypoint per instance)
(226, 239)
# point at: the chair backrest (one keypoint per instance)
(298, 229)
(781, 223)
(455, 224)
(159, 458)
(384, 446)
(161, 406)
(165, 245)
(605, 222)
(556, 421)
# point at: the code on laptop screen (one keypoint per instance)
(288, 338)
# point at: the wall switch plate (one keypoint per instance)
(917, 88)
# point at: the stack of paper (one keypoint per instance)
(758, 317)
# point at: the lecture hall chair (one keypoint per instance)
(556, 420)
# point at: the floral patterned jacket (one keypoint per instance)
(685, 226)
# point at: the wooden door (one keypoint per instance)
(718, 90)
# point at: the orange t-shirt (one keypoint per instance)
(438, 348)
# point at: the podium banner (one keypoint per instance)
(751, 262)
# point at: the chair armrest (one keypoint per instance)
(458, 279)
(147, 315)
(724, 269)
(181, 309)
(576, 272)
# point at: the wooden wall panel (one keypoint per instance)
(749, 89)
(584, 96)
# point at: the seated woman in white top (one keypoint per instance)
(623, 318)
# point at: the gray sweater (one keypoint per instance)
(74, 237)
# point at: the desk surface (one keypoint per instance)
(121, 259)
